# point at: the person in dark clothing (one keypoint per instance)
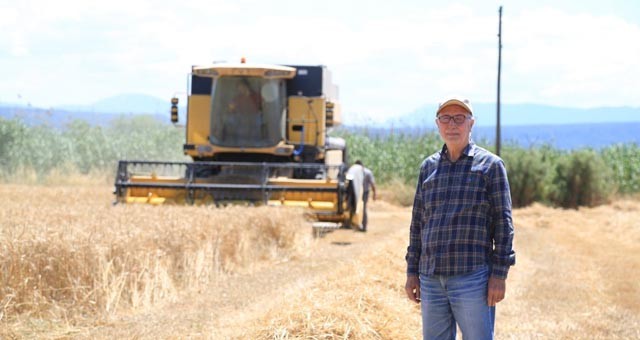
(369, 184)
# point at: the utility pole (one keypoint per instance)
(499, 66)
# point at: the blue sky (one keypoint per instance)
(388, 58)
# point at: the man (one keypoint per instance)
(461, 233)
(368, 183)
(245, 100)
(243, 120)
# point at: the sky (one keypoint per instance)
(387, 57)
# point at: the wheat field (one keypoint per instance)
(67, 253)
(74, 266)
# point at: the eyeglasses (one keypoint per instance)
(457, 119)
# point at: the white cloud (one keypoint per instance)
(386, 60)
(576, 59)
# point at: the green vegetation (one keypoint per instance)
(624, 162)
(537, 174)
(528, 172)
(580, 179)
(393, 157)
(81, 147)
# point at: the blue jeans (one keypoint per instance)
(461, 299)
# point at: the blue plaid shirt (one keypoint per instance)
(461, 216)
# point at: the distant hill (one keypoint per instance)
(57, 118)
(124, 103)
(565, 136)
(525, 114)
(511, 114)
(99, 113)
(562, 136)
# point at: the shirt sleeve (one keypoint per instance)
(368, 176)
(415, 241)
(502, 232)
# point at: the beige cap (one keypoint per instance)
(455, 101)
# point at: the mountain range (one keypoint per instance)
(526, 124)
(124, 103)
(526, 114)
(485, 113)
(99, 113)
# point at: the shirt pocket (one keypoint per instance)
(470, 188)
(433, 192)
(472, 207)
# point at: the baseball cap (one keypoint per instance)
(455, 100)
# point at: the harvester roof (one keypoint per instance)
(241, 69)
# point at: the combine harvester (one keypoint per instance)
(255, 133)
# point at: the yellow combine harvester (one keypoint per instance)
(255, 133)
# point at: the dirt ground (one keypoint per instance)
(576, 277)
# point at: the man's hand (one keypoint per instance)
(412, 288)
(496, 290)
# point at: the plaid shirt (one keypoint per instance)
(461, 216)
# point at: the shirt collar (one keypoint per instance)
(469, 150)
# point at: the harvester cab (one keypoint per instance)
(255, 133)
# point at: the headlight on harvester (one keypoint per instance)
(174, 110)
(329, 113)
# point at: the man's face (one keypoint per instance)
(455, 134)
